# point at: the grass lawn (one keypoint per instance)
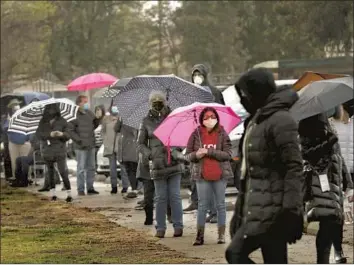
(35, 230)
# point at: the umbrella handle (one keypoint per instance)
(196, 122)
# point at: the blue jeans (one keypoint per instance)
(85, 169)
(207, 190)
(113, 170)
(124, 176)
(168, 190)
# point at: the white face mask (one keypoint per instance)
(210, 123)
(16, 107)
(198, 79)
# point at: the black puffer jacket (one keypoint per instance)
(273, 171)
(322, 157)
(218, 97)
(153, 149)
(82, 130)
(53, 147)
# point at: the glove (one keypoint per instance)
(236, 219)
(292, 224)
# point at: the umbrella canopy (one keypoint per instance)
(26, 119)
(106, 93)
(30, 96)
(176, 129)
(309, 77)
(321, 96)
(91, 81)
(133, 98)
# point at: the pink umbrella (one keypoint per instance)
(91, 81)
(176, 129)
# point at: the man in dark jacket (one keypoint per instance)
(200, 77)
(268, 212)
(82, 133)
(53, 133)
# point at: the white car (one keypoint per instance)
(103, 166)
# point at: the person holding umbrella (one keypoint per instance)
(209, 151)
(53, 132)
(165, 171)
(326, 174)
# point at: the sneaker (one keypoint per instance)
(69, 199)
(63, 189)
(213, 219)
(81, 193)
(54, 198)
(191, 207)
(92, 192)
(114, 190)
(124, 190)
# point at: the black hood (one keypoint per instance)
(201, 68)
(283, 99)
(258, 84)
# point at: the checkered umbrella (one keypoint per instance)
(133, 97)
(106, 93)
(26, 119)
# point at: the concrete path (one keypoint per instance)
(122, 212)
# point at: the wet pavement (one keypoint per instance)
(122, 212)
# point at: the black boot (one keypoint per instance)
(339, 257)
(199, 240)
(149, 213)
(114, 190)
(44, 189)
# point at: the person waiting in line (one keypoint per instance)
(53, 133)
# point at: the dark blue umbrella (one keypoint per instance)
(38, 96)
(133, 97)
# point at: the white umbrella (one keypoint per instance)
(26, 119)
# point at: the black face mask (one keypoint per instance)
(158, 106)
(247, 104)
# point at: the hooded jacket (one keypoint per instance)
(151, 148)
(321, 153)
(201, 68)
(272, 170)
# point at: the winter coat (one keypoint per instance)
(322, 157)
(53, 148)
(35, 145)
(152, 149)
(126, 149)
(82, 130)
(222, 154)
(272, 167)
(218, 97)
(109, 135)
(345, 136)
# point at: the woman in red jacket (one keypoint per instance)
(209, 151)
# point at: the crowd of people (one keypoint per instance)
(288, 170)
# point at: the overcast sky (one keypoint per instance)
(173, 4)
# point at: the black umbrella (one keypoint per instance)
(133, 97)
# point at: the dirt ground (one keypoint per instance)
(36, 230)
(121, 212)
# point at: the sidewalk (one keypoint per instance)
(122, 212)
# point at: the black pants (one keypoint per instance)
(330, 232)
(274, 248)
(194, 194)
(131, 169)
(22, 167)
(149, 194)
(7, 161)
(63, 170)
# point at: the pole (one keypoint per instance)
(160, 7)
